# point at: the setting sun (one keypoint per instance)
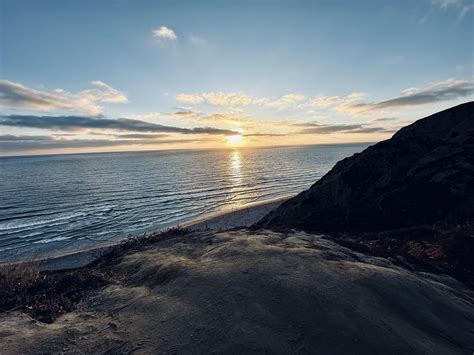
(235, 140)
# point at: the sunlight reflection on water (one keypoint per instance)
(236, 167)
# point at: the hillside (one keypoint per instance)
(422, 175)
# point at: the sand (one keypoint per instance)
(256, 292)
(243, 216)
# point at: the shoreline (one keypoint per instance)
(242, 216)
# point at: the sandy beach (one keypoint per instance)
(242, 216)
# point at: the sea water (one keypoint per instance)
(55, 203)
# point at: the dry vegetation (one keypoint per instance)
(46, 295)
(446, 250)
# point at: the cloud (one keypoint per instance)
(224, 118)
(140, 136)
(328, 101)
(182, 114)
(12, 138)
(11, 143)
(461, 6)
(190, 99)
(247, 122)
(239, 99)
(151, 116)
(327, 129)
(450, 89)
(72, 123)
(377, 120)
(104, 93)
(277, 127)
(285, 101)
(185, 114)
(315, 128)
(350, 104)
(17, 96)
(227, 99)
(372, 130)
(165, 33)
(264, 135)
(216, 99)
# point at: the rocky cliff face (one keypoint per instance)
(422, 175)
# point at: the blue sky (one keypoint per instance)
(252, 62)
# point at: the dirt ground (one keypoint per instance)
(254, 292)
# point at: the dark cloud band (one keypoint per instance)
(10, 143)
(314, 128)
(71, 123)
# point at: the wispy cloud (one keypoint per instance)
(17, 96)
(190, 98)
(450, 89)
(165, 33)
(187, 114)
(72, 123)
(23, 138)
(283, 102)
(227, 99)
(328, 101)
(315, 128)
(461, 6)
(350, 104)
(140, 136)
(216, 99)
(379, 120)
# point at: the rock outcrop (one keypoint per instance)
(422, 175)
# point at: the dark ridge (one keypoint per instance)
(422, 175)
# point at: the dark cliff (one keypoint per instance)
(422, 175)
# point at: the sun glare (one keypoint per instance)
(235, 140)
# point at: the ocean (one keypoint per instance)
(57, 203)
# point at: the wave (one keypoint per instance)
(12, 226)
(55, 239)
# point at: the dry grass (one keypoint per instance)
(46, 295)
(15, 275)
(448, 250)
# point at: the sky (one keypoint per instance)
(94, 76)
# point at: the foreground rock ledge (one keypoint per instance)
(258, 291)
